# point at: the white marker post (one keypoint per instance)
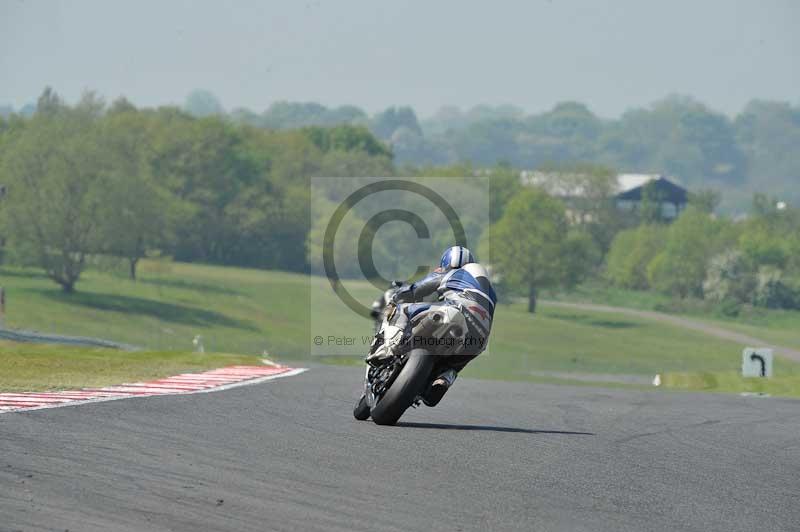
(757, 362)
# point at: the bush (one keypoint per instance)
(773, 291)
(631, 252)
(729, 279)
(581, 258)
(692, 241)
(772, 238)
(729, 308)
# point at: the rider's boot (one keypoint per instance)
(439, 387)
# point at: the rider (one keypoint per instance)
(460, 281)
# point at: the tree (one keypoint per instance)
(769, 133)
(771, 236)
(201, 103)
(345, 256)
(706, 200)
(678, 136)
(589, 191)
(127, 181)
(347, 138)
(346, 114)
(135, 209)
(204, 164)
(680, 268)
(504, 184)
(651, 210)
(729, 279)
(488, 142)
(289, 115)
(580, 257)
(354, 164)
(451, 118)
(284, 115)
(408, 145)
(630, 254)
(55, 173)
(567, 121)
(386, 123)
(49, 102)
(121, 105)
(527, 243)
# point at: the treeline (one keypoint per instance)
(755, 261)
(92, 179)
(541, 242)
(677, 136)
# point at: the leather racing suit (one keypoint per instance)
(467, 288)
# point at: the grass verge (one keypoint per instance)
(733, 382)
(39, 367)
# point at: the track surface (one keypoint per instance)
(287, 455)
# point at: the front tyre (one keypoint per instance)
(361, 410)
(406, 387)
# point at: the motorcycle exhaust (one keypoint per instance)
(427, 324)
(434, 325)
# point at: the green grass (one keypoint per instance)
(249, 311)
(781, 327)
(603, 294)
(566, 340)
(234, 310)
(777, 327)
(36, 367)
(788, 384)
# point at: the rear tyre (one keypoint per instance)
(361, 410)
(406, 387)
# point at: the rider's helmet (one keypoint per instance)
(455, 257)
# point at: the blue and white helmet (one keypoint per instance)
(456, 257)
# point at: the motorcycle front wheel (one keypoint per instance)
(361, 410)
(406, 387)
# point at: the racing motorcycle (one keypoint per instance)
(393, 384)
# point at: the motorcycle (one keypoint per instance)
(393, 384)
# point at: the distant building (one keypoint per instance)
(671, 197)
(571, 188)
(628, 193)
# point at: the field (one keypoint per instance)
(253, 312)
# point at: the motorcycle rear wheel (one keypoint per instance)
(406, 387)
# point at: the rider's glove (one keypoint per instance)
(405, 293)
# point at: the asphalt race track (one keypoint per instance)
(287, 455)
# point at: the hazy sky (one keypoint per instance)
(612, 55)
